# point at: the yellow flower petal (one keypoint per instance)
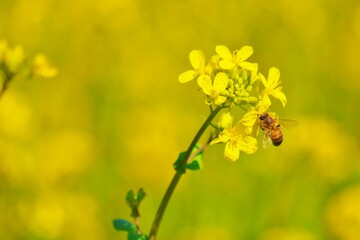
(239, 129)
(253, 67)
(212, 65)
(220, 100)
(226, 120)
(263, 80)
(197, 59)
(273, 78)
(226, 64)
(204, 81)
(188, 76)
(279, 95)
(231, 151)
(220, 82)
(215, 141)
(271, 85)
(244, 53)
(249, 121)
(224, 52)
(248, 145)
(264, 104)
(226, 55)
(222, 138)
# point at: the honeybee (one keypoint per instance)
(272, 129)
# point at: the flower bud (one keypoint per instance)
(249, 88)
(253, 100)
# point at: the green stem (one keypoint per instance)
(7, 77)
(178, 174)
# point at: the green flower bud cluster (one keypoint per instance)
(240, 88)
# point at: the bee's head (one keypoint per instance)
(263, 116)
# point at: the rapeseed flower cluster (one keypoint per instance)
(229, 80)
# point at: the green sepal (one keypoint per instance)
(123, 225)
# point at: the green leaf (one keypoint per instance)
(123, 225)
(177, 163)
(141, 195)
(195, 164)
(130, 198)
(135, 236)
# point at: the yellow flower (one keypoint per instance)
(249, 120)
(213, 90)
(236, 139)
(343, 214)
(272, 85)
(14, 58)
(42, 67)
(229, 60)
(197, 60)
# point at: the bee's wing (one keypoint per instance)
(288, 123)
(266, 140)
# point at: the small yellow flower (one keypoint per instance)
(229, 60)
(197, 60)
(14, 58)
(213, 90)
(236, 139)
(42, 68)
(272, 85)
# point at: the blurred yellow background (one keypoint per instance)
(116, 118)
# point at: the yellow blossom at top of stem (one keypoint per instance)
(236, 139)
(230, 60)
(214, 89)
(197, 60)
(271, 85)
